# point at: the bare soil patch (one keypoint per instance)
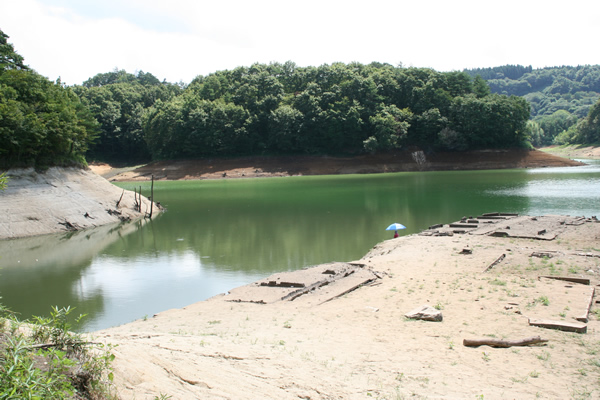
(249, 167)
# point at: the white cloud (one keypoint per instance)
(180, 39)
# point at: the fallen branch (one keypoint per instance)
(48, 345)
(503, 343)
(70, 226)
(495, 262)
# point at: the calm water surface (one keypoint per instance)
(217, 235)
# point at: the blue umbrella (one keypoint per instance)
(395, 226)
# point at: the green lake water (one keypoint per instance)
(220, 234)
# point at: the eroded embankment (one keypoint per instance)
(64, 199)
(252, 167)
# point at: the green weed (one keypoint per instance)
(51, 362)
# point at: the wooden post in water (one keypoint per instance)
(151, 196)
(136, 205)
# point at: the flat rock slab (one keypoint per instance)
(316, 284)
(480, 225)
(546, 227)
(578, 327)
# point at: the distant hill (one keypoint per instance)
(573, 89)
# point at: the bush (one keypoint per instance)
(43, 359)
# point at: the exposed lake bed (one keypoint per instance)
(356, 342)
(273, 166)
(332, 342)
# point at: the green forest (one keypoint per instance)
(563, 100)
(273, 109)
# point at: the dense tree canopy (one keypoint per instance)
(573, 89)
(41, 123)
(338, 108)
(560, 97)
(9, 58)
(285, 109)
(118, 101)
(585, 131)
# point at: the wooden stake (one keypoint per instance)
(136, 205)
(121, 198)
(151, 196)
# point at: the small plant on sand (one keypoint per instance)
(519, 380)
(544, 356)
(534, 374)
(543, 300)
(511, 293)
(555, 270)
(582, 393)
(573, 269)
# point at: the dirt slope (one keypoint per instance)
(61, 200)
(247, 167)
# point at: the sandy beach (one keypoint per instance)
(287, 337)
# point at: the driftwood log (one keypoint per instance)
(503, 343)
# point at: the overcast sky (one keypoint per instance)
(177, 40)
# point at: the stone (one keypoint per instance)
(426, 313)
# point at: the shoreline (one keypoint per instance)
(64, 199)
(339, 330)
(280, 166)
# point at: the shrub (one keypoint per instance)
(43, 359)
